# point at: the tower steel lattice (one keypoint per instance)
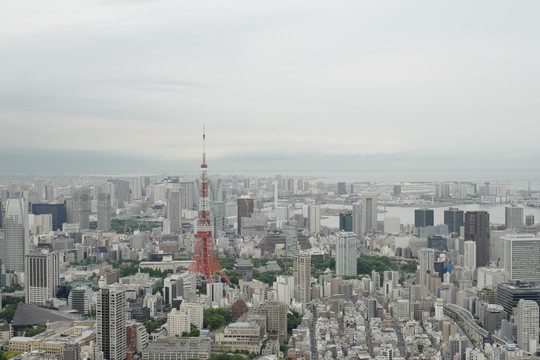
(204, 261)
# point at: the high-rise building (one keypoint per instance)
(423, 217)
(341, 188)
(136, 188)
(42, 272)
(302, 277)
(529, 220)
(346, 221)
(369, 212)
(346, 254)
(276, 315)
(80, 208)
(314, 219)
(104, 212)
(291, 241)
(453, 218)
(427, 259)
(442, 191)
(513, 217)
(58, 212)
(522, 257)
(477, 230)
(396, 190)
(178, 322)
(527, 325)
(509, 294)
(357, 225)
(79, 299)
(111, 323)
(195, 311)
(174, 209)
(16, 234)
(470, 255)
(245, 210)
(214, 291)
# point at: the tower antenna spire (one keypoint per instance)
(204, 147)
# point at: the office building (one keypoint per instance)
(171, 348)
(341, 188)
(454, 219)
(302, 277)
(291, 241)
(427, 259)
(477, 230)
(111, 323)
(174, 209)
(509, 294)
(79, 299)
(513, 217)
(178, 322)
(245, 210)
(104, 212)
(369, 212)
(136, 188)
(346, 221)
(357, 225)
(346, 254)
(276, 315)
(16, 234)
(58, 212)
(240, 336)
(79, 204)
(469, 260)
(195, 312)
(442, 191)
(214, 291)
(423, 217)
(529, 220)
(527, 325)
(314, 219)
(522, 257)
(396, 190)
(42, 272)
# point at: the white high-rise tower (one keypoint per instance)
(16, 234)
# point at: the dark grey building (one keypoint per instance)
(454, 219)
(423, 217)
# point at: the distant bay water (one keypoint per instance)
(406, 213)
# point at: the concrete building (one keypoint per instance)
(527, 325)
(513, 217)
(79, 299)
(178, 322)
(427, 259)
(245, 210)
(302, 277)
(369, 212)
(111, 323)
(104, 212)
(195, 312)
(16, 234)
(470, 255)
(314, 219)
(80, 208)
(174, 209)
(42, 271)
(346, 254)
(171, 348)
(522, 257)
(240, 336)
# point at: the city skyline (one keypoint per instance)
(361, 86)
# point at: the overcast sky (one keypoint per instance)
(272, 80)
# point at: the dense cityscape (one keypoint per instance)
(240, 267)
(269, 180)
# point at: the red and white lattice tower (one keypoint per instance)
(204, 261)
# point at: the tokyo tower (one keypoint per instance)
(204, 261)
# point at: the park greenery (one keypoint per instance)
(12, 288)
(293, 321)
(9, 312)
(34, 331)
(215, 318)
(129, 225)
(6, 355)
(153, 324)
